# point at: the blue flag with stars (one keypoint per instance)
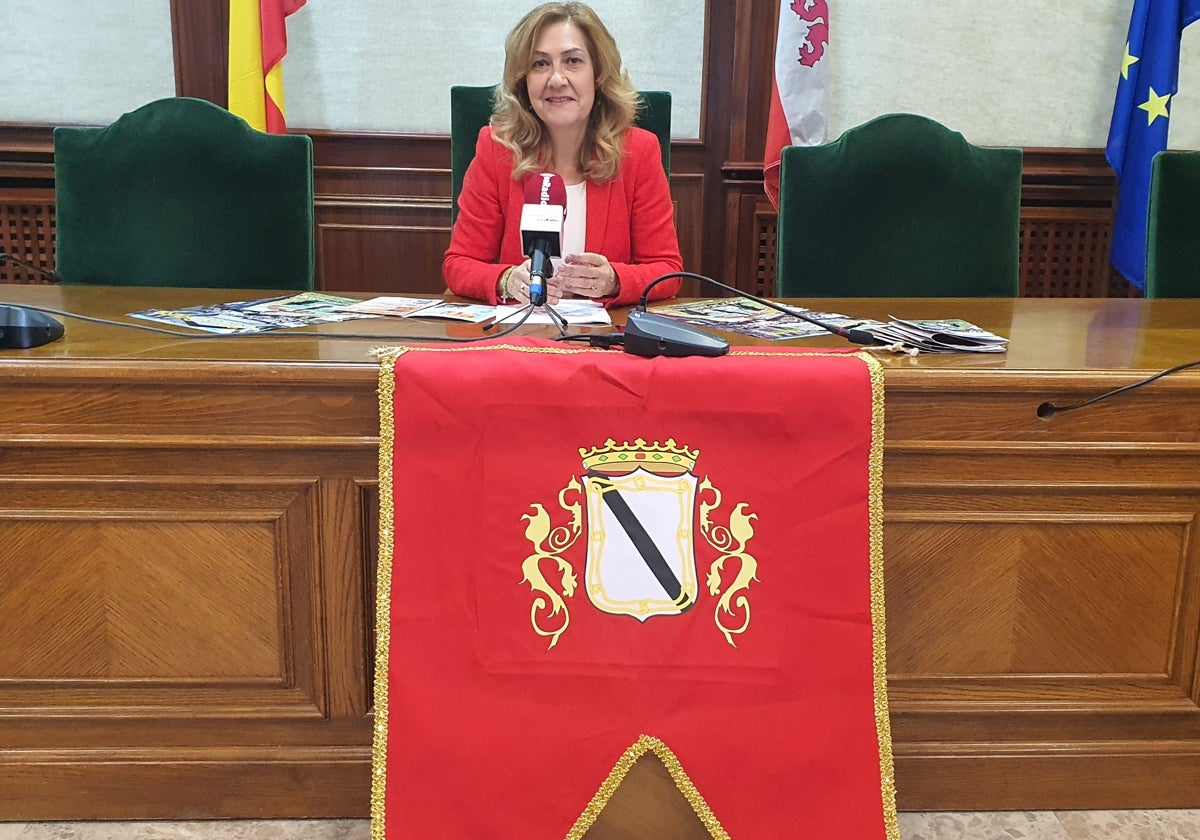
(1141, 116)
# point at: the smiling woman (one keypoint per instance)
(566, 106)
(561, 88)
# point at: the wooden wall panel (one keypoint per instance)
(382, 240)
(191, 594)
(27, 233)
(200, 40)
(386, 259)
(1085, 532)
(1065, 580)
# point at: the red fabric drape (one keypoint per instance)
(514, 667)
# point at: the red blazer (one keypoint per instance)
(630, 220)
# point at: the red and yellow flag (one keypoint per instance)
(257, 44)
(587, 556)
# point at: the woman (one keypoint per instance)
(565, 105)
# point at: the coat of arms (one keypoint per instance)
(644, 507)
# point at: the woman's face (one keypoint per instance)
(562, 80)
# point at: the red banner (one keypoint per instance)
(587, 555)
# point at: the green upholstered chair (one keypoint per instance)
(899, 206)
(471, 109)
(1173, 233)
(180, 192)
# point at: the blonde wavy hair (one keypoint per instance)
(518, 128)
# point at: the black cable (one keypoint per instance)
(604, 340)
(1047, 410)
(283, 332)
(849, 333)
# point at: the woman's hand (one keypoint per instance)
(588, 275)
(518, 286)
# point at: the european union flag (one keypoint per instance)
(1141, 116)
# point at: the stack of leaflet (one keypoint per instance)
(942, 335)
(753, 318)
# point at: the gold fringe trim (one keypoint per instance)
(883, 724)
(383, 599)
(643, 745)
(394, 352)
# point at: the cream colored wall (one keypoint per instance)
(1022, 72)
(383, 65)
(83, 62)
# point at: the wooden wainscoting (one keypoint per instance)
(27, 233)
(1064, 253)
(382, 215)
(376, 242)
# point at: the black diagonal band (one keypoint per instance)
(641, 541)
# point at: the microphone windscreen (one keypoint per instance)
(546, 188)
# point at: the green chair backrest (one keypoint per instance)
(471, 110)
(181, 192)
(1173, 232)
(900, 206)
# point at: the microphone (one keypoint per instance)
(45, 273)
(541, 229)
(22, 327)
(1048, 409)
(655, 335)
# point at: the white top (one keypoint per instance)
(575, 223)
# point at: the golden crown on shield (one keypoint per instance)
(656, 457)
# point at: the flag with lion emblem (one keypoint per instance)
(588, 558)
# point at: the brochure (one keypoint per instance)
(399, 307)
(471, 312)
(940, 335)
(574, 311)
(249, 316)
(749, 317)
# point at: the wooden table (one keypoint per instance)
(187, 541)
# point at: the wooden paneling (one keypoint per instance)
(27, 233)
(1064, 251)
(391, 235)
(1043, 588)
(200, 40)
(394, 241)
(185, 583)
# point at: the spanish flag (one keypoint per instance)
(257, 44)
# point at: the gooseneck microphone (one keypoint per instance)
(1048, 409)
(44, 273)
(542, 219)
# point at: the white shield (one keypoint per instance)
(641, 560)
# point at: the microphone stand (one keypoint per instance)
(556, 318)
(45, 273)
